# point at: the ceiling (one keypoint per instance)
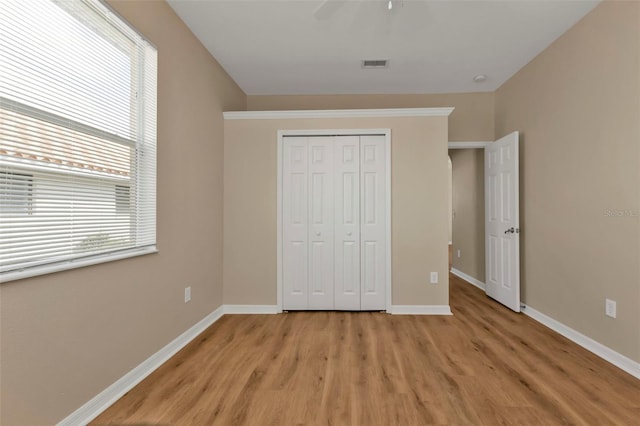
(279, 47)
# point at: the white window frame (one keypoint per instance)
(141, 157)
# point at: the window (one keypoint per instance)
(15, 194)
(123, 199)
(77, 135)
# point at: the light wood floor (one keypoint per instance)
(484, 365)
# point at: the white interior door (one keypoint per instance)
(295, 227)
(372, 222)
(502, 221)
(347, 222)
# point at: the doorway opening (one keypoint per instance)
(467, 213)
(499, 162)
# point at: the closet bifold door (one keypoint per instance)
(307, 207)
(320, 181)
(373, 222)
(347, 222)
(295, 231)
(334, 223)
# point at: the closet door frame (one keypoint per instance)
(334, 132)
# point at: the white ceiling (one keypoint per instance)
(280, 47)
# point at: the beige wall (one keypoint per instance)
(468, 205)
(577, 106)
(419, 206)
(67, 336)
(472, 119)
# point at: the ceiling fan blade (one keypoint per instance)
(327, 8)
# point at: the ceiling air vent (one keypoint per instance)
(375, 63)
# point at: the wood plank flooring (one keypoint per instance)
(483, 366)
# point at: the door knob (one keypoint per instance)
(512, 230)
(349, 233)
(317, 233)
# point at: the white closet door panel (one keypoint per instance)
(347, 222)
(321, 288)
(373, 222)
(295, 223)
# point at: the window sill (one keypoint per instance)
(74, 264)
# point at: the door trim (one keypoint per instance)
(468, 144)
(335, 132)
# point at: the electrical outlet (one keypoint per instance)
(610, 308)
(434, 278)
(458, 253)
(187, 294)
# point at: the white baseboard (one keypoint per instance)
(420, 310)
(468, 278)
(604, 352)
(250, 309)
(107, 397)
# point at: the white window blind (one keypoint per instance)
(77, 134)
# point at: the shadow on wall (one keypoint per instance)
(523, 233)
(450, 205)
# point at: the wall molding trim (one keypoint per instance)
(337, 113)
(250, 309)
(115, 391)
(468, 144)
(622, 362)
(469, 279)
(420, 310)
